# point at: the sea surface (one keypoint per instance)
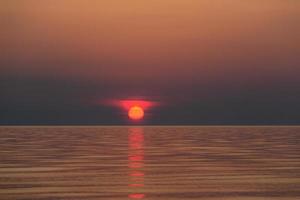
(158, 163)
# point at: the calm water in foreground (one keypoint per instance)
(163, 163)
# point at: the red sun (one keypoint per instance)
(136, 109)
(136, 113)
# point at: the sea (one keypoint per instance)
(150, 162)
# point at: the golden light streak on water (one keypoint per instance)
(136, 162)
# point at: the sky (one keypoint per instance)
(200, 61)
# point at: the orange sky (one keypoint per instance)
(228, 58)
(104, 37)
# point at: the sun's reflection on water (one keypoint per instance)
(136, 162)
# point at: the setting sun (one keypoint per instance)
(136, 113)
(135, 108)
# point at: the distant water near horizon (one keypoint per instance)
(150, 162)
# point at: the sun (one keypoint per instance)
(136, 113)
